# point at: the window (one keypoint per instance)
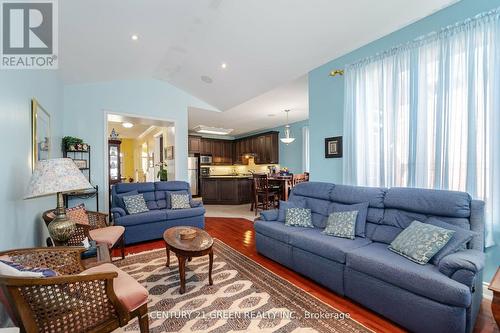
(426, 115)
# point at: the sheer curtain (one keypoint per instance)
(427, 114)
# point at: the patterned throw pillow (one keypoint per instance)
(179, 201)
(298, 217)
(78, 214)
(135, 204)
(420, 241)
(341, 224)
(292, 203)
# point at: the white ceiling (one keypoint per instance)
(141, 126)
(265, 43)
(262, 112)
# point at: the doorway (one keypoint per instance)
(137, 149)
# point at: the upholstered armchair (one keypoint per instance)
(99, 299)
(97, 229)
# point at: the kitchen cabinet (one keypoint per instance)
(265, 148)
(226, 190)
(206, 147)
(194, 144)
(221, 150)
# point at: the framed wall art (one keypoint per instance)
(333, 147)
(41, 140)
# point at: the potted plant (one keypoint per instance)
(72, 143)
(163, 173)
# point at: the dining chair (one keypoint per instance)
(264, 196)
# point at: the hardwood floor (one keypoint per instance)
(239, 234)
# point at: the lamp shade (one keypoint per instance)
(58, 175)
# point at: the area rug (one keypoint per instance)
(245, 297)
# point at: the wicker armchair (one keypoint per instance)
(98, 222)
(68, 302)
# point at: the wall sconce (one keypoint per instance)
(336, 72)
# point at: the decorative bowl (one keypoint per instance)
(187, 233)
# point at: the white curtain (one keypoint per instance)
(305, 149)
(427, 114)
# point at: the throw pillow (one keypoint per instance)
(298, 217)
(119, 198)
(341, 224)
(179, 201)
(169, 196)
(361, 208)
(135, 204)
(292, 203)
(78, 214)
(10, 268)
(420, 241)
(458, 242)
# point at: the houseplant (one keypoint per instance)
(72, 143)
(163, 173)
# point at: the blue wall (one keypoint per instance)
(20, 220)
(85, 106)
(291, 154)
(326, 94)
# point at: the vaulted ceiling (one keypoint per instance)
(264, 43)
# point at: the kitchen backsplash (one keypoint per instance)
(221, 170)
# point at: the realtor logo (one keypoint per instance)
(29, 34)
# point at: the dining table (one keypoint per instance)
(284, 182)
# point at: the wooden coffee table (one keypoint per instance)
(199, 246)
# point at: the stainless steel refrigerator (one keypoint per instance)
(193, 174)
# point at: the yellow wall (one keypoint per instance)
(127, 150)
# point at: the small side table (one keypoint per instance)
(101, 257)
(199, 246)
(495, 302)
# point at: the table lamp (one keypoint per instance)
(57, 176)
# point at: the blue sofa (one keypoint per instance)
(421, 298)
(151, 225)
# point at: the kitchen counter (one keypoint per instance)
(226, 189)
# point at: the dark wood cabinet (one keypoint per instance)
(209, 190)
(194, 144)
(226, 190)
(206, 146)
(265, 148)
(221, 150)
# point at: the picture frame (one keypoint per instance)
(333, 147)
(81, 164)
(169, 152)
(41, 139)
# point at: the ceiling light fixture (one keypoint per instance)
(206, 79)
(134, 37)
(288, 138)
(127, 125)
(212, 130)
(223, 65)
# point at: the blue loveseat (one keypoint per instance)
(421, 298)
(151, 225)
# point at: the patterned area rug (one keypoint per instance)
(245, 297)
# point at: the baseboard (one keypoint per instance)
(488, 294)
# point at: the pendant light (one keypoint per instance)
(287, 139)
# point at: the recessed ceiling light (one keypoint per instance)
(223, 65)
(206, 79)
(127, 125)
(135, 37)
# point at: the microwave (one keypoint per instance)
(206, 159)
